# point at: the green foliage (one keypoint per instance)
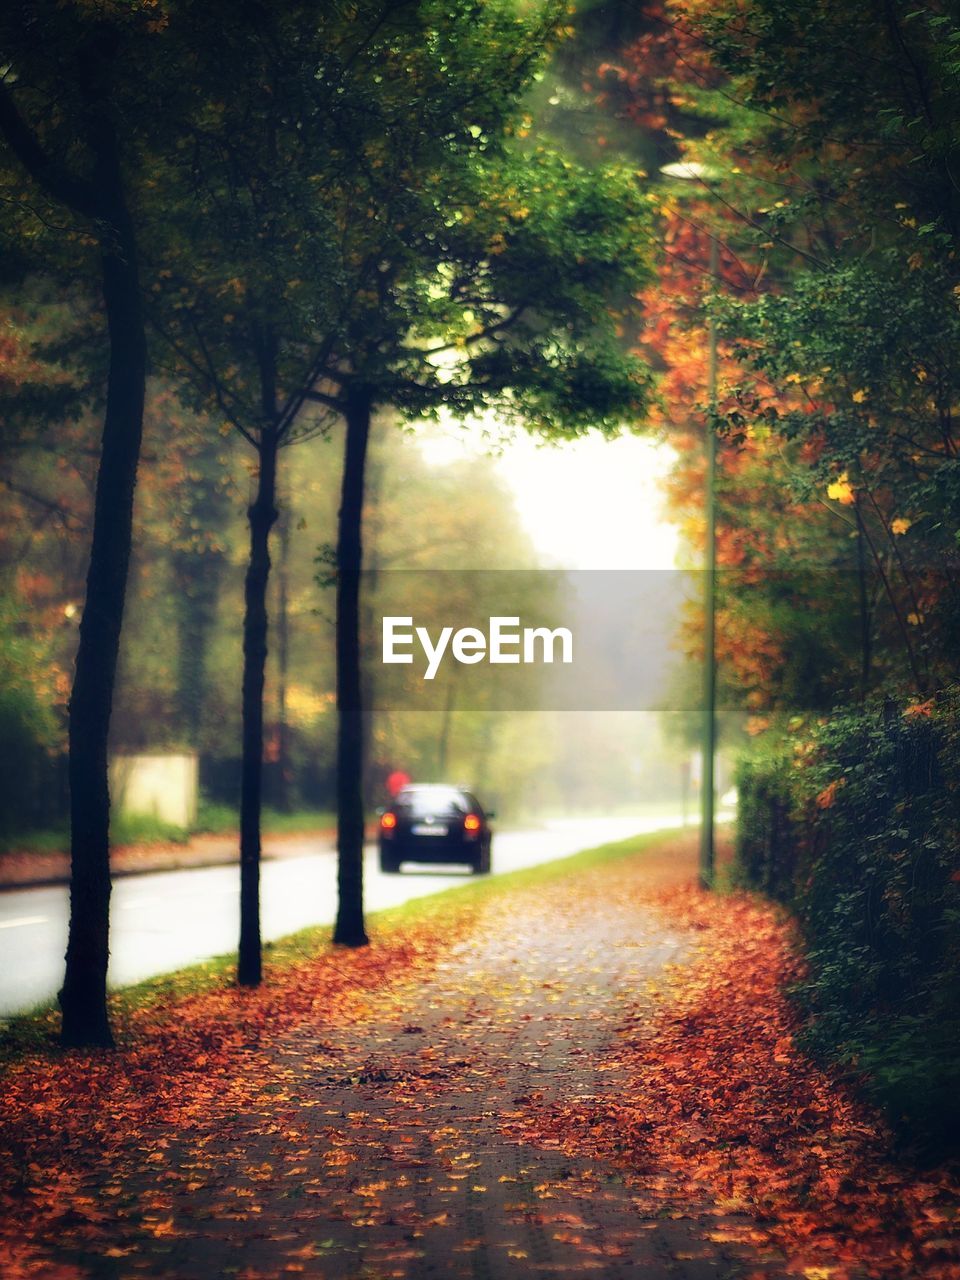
(31, 840)
(28, 727)
(511, 302)
(215, 818)
(300, 821)
(838, 157)
(212, 819)
(145, 828)
(856, 827)
(224, 819)
(125, 828)
(878, 90)
(309, 207)
(765, 843)
(874, 349)
(404, 237)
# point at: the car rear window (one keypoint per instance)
(421, 803)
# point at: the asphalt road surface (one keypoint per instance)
(164, 920)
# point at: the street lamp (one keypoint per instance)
(691, 171)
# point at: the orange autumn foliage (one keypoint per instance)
(683, 1087)
(177, 1063)
(723, 1103)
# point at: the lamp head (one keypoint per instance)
(688, 171)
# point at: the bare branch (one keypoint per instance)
(56, 181)
(488, 332)
(320, 398)
(68, 518)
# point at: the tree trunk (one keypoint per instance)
(284, 770)
(196, 581)
(349, 929)
(261, 516)
(443, 746)
(101, 200)
(372, 556)
(83, 998)
(197, 578)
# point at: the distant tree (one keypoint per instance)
(461, 551)
(202, 501)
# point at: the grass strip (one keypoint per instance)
(145, 829)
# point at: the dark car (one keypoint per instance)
(432, 822)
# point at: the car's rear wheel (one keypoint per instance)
(389, 864)
(481, 866)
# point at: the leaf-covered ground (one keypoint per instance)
(594, 1073)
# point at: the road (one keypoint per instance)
(165, 920)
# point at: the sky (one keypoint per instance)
(589, 503)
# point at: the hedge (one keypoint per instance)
(855, 826)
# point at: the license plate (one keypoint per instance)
(422, 829)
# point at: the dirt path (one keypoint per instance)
(410, 1143)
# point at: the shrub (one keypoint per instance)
(766, 831)
(28, 732)
(856, 829)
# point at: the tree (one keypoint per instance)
(459, 551)
(275, 249)
(856, 354)
(502, 295)
(196, 534)
(835, 218)
(65, 99)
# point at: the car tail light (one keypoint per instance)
(388, 821)
(471, 822)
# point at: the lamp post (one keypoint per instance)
(690, 171)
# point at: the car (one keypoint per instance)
(434, 822)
